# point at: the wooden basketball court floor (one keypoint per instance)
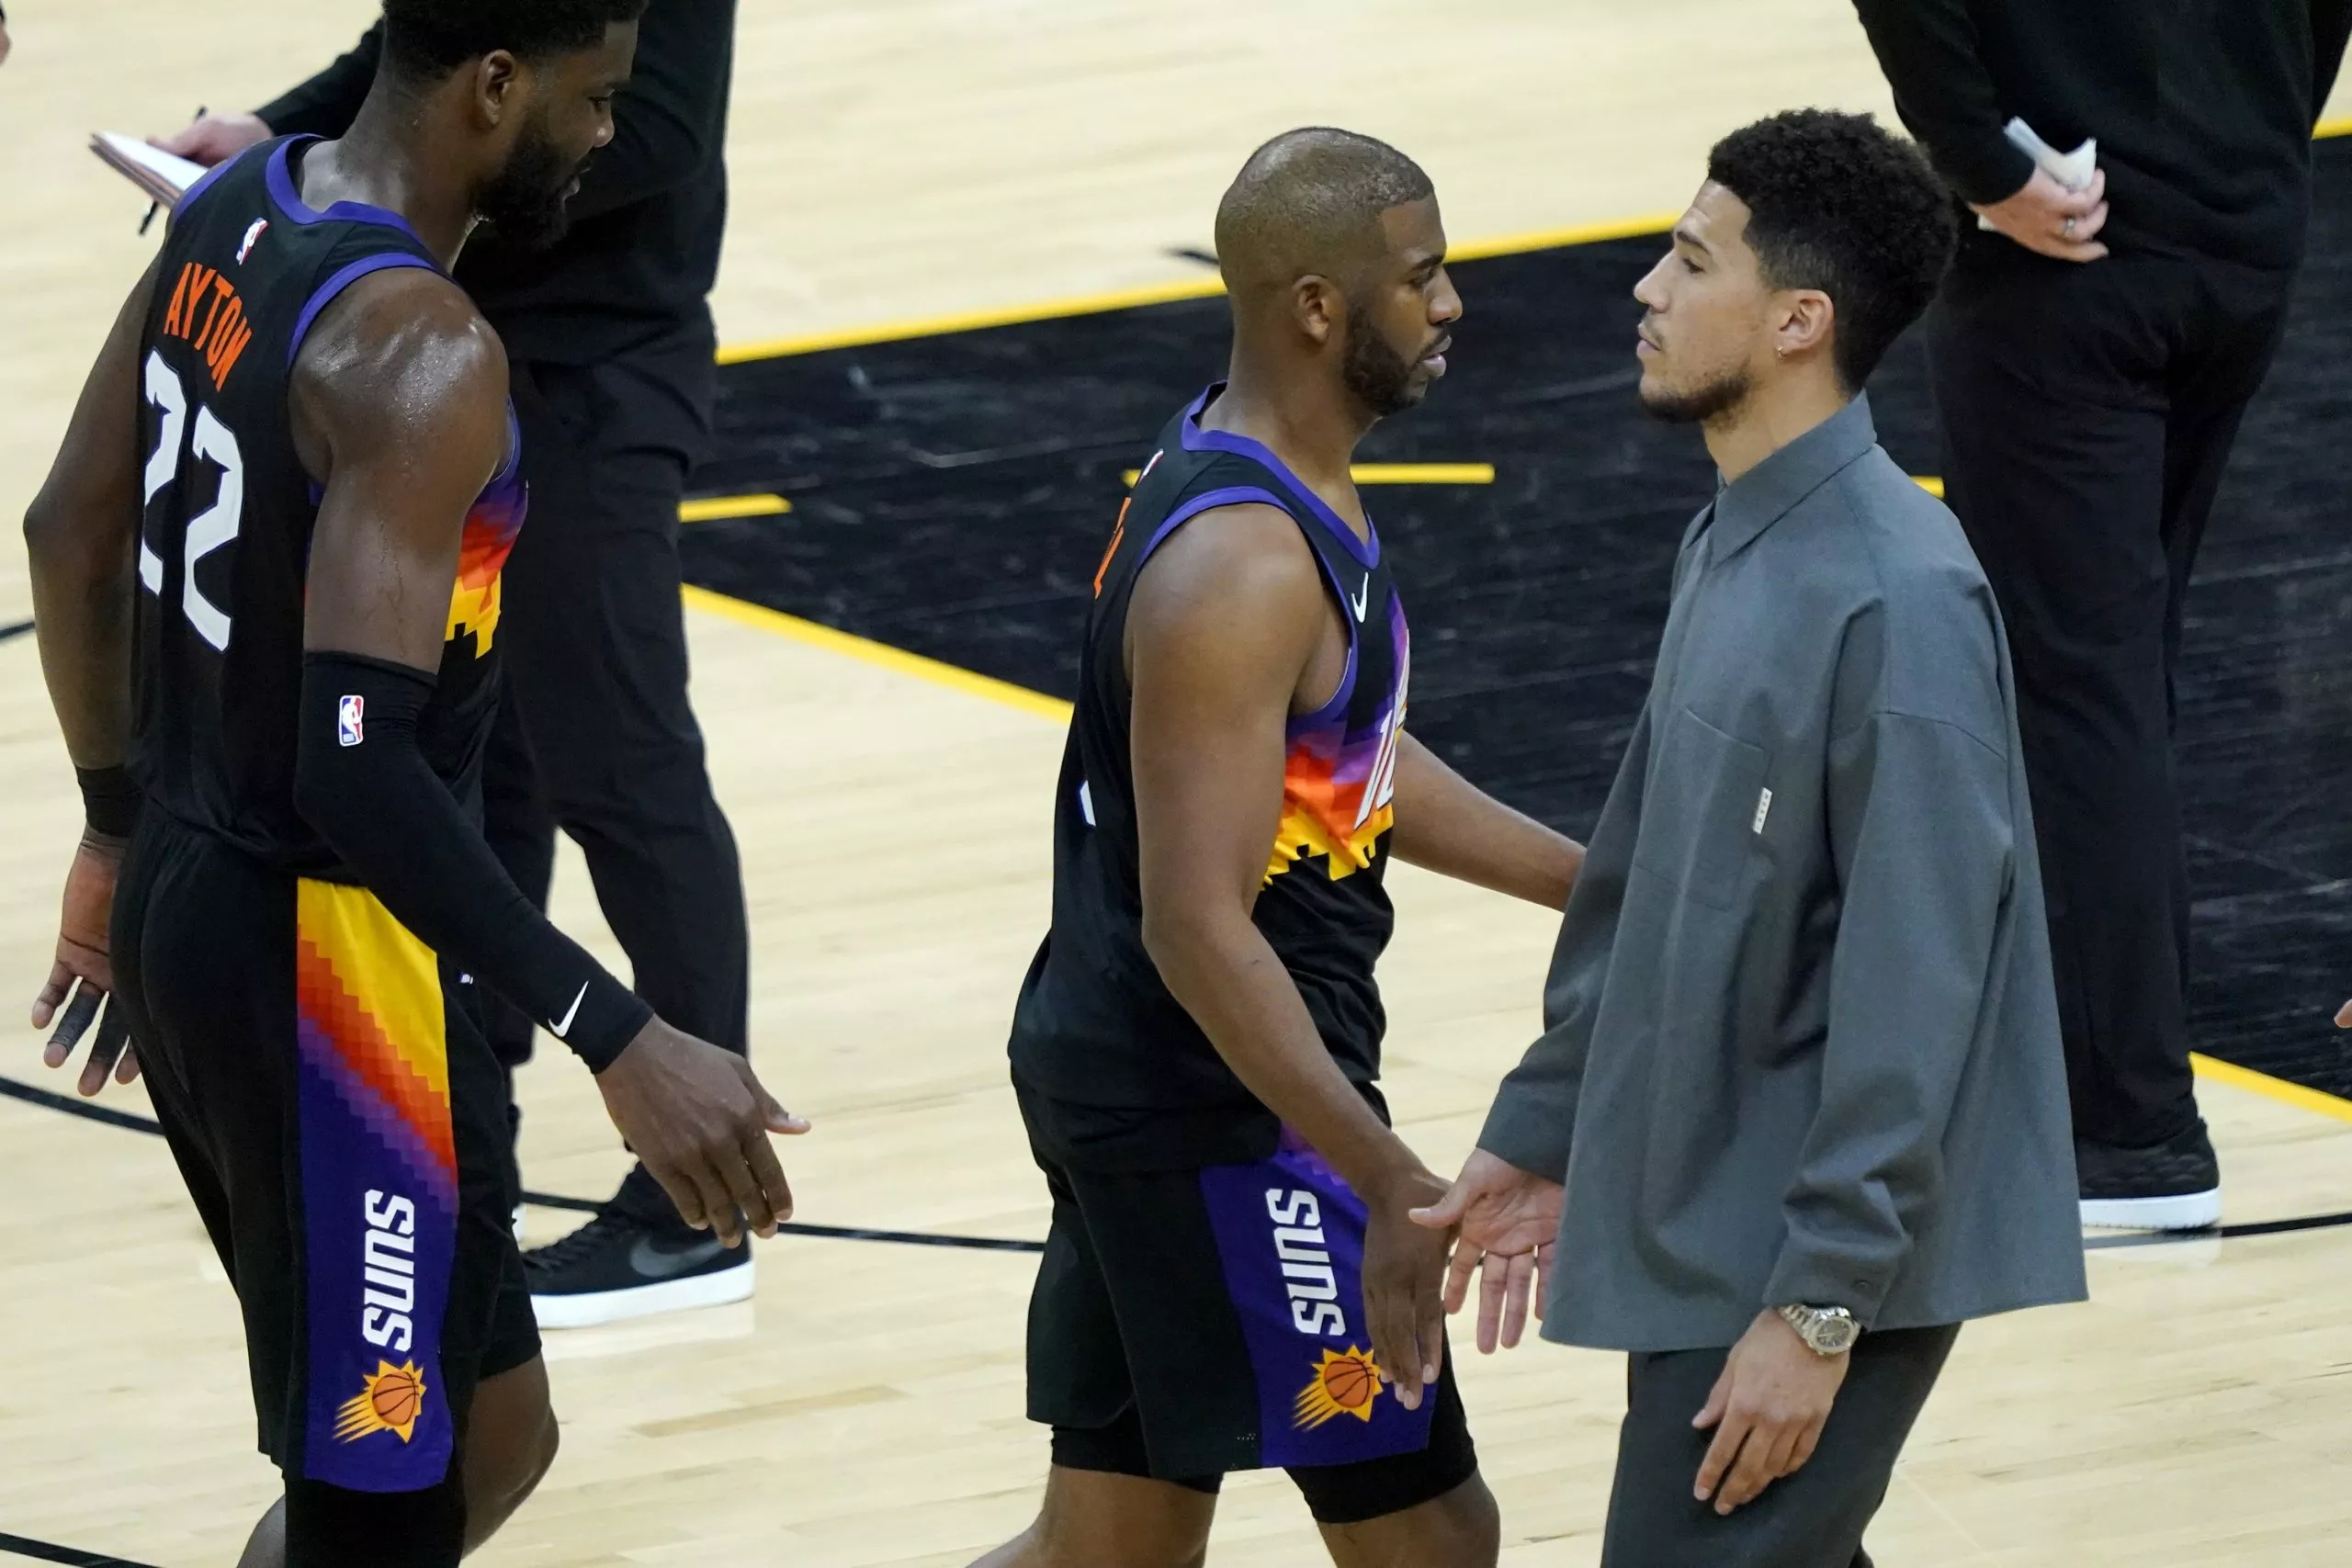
(899, 159)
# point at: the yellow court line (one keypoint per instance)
(1423, 473)
(1151, 294)
(1557, 239)
(2279, 1089)
(761, 619)
(972, 321)
(1933, 485)
(1207, 287)
(719, 508)
(1395, 473)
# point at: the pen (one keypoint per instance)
(153, 206)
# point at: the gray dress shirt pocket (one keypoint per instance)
(1700, 816)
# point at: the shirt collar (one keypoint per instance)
(1771, 489)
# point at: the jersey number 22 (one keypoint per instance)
(216, 527)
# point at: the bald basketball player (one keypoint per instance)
(1232, 1281)
(267, 567)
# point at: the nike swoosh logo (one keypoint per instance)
(564, 1027)
(659, 1263)
(1362, 599)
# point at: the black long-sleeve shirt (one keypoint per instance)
(2203, 108)
(643, 250)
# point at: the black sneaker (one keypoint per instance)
(2174, 1185)
(623, 1264)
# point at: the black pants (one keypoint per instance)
(1812, 1519)
(596, 735)
(2089, 411)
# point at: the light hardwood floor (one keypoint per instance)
(903, 158)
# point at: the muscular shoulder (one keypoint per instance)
(1251, 556)
(406, 338)
(1237, 592)
(400, 356)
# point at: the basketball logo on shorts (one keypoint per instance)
(349, 729)
(390, 1403)
(1345, 1384)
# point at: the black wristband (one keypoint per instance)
(110, 800)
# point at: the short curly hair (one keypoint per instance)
(432, 38)
(1840, 204)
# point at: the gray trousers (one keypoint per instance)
(1812, 1519)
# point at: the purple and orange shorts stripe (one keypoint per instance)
(379, 1193)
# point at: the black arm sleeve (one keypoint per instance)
(1947, 98)
(360, 780)
(2330, 26)
(672, 120)
(329, 102)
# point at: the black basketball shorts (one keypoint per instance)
(323, 1083)
(1190, 1321)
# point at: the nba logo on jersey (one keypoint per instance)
(252, 234)
(348, 729)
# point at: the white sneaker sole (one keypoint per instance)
(2183, 1211)
(591, 1309)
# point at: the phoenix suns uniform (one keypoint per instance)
(1199, 1308)
(319, 1071)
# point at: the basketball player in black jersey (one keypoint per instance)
(266, 571)
(1232, 1279)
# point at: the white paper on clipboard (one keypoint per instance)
(164, 178)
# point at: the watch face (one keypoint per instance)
(1834, 1336)
(1825, 1331)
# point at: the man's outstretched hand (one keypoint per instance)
(81, 980)
(699, 1120)
(1505, 1222)
(214, 139)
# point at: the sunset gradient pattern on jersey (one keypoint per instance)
(1339, 784)
(379, 1185)
(491, 528)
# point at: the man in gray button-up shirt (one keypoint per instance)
(1801, 1074)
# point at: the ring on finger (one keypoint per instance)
(2067, 228)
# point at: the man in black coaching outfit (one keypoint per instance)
(2095, 349)
(612, 346)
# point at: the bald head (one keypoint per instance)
(1309, 201)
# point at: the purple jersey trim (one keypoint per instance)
(1232, 495)
(1195, 439)
(288, 197)
(328, 291)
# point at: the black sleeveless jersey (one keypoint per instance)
(224, 539)
(1095, 1024)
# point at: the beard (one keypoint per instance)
(526, 205)
(1699, 403)
(1381, 379)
